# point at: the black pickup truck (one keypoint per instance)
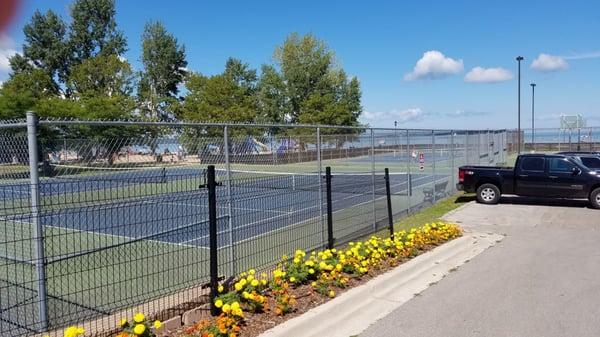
(535, 175)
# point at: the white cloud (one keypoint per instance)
(6, 51)
(582, 56)
(434, 65)
(466, 113)
(547, 63)
(488, 75)
(402, 116)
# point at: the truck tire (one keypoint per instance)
(488, 194)
(595, 198)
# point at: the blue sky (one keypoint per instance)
(414, 59)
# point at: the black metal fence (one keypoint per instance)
(99, 219)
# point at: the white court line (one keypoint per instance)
(317, 217)
(219, 206)
(290, 225)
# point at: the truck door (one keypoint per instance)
(564, 179)
(531, 177)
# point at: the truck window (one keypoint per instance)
(560, 165)
(593, 163)
(532, 164)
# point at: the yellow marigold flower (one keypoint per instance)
(238, 286)
(218, 303)
(292, 279)
(139, 317)
(235, 305)
(157, 324)
(296, 260)
(220, 288)
(251, 271)
(123, 322)
(311, 271)
(338, 266)
(243, 282)
(331, 293)
(263, 282)
(226, 308)
(313, 284)
(250, 278)
(74, 331)
(139, 329)
(254, 283)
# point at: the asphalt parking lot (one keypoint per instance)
(543, 279)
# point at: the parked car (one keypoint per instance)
(535, 175)
(590, 160)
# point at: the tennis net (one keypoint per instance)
(141, 174)
(350, 182)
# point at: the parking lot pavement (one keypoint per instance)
(543, 279)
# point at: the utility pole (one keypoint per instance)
(519, 59)
(533, 115)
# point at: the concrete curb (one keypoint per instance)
(452, 212)
(353, 311)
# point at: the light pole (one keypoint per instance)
(396, 134)
(533, 115)
(519, 59)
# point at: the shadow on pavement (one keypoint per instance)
(516, 200)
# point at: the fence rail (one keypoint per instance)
(100, 216)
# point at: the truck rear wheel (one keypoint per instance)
(488, 194)
(595, 198)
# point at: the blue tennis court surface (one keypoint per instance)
(181, 218)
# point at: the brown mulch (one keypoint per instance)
(306, 298)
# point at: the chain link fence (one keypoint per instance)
(552, 140)
(101, 218)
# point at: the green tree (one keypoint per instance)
(99, 76)
(226, 97)
(273, 104)
(93, 30)
(44, 48)
(164, 70)
(309, 88)
(23, 92)
(101, 86)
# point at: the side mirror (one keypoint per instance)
(576, 171)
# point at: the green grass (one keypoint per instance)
(132, 273)
(433, 213)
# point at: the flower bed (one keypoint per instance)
(255, 302)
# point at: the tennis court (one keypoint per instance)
(121, 228)
(107, 232)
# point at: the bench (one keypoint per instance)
(436, 192)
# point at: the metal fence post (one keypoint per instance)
(408, 162)
(479, 147)
(212, 235)
(320, 164)
(232, 259)
(37, 229)
(373, 178)
(330, 239)
(452, 170)
(433, 162)
(388, 194)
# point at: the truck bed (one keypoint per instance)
(475, 167)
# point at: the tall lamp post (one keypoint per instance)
(396, 134)
(519, 59)
(533, 115)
